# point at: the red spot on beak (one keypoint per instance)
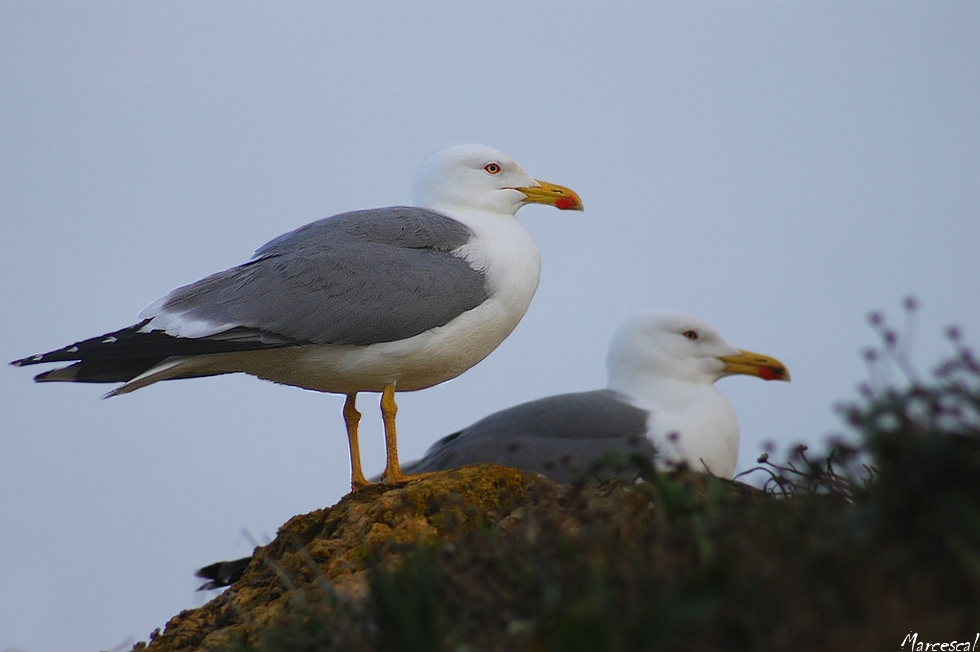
(566, 203)
(766, 373)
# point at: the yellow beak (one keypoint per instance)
(755, 364)
(553, 195)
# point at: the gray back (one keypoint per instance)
(363, 277)
(559, 436)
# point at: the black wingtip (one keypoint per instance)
(58, 355)
(222, 573)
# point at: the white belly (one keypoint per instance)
(422, 361)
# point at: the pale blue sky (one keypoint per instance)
(778, 169)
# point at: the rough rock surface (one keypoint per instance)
(333, 547)
(489, 558)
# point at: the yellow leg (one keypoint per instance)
(352, 417)
(393, 471)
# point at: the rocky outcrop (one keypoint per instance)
(489, 558)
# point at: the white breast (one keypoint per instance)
(692, 424)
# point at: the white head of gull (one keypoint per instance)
(668, 363)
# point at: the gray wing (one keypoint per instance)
(561, 437)
(363, 277)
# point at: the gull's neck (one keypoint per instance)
(656, 391)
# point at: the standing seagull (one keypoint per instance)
(366, 301)
(660, 402)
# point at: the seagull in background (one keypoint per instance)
(660, 401)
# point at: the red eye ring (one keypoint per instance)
(691, 335)
(492, 168)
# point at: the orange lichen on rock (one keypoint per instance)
(331, 548)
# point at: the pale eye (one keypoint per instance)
(691, 335)
(492, 168)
